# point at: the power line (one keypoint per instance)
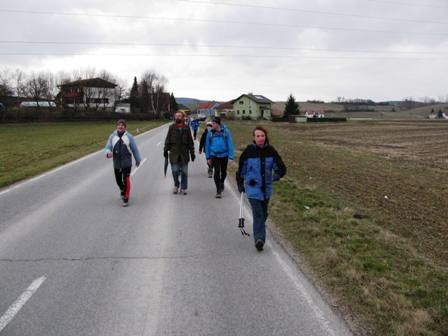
(407, 4)
(309, 11)
(228, 46)
(218, 55)
(226, 22)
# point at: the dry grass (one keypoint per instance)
(384, 260)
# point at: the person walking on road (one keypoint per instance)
(202, 146)
(219, 150)
(179, 147)
(121, 146)
(195, 127)
(254, 176)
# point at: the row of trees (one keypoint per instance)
(146, 96)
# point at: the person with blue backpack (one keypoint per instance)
(218, 151)
(259, 166)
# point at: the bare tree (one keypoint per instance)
(6, 88)
(37, 87)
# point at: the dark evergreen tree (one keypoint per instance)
(134, 97)
(173, 104)
(291, 107)
(145, 98)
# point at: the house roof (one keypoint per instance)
(256, 98)
(90, 82)
(226, 105)
(206, 105)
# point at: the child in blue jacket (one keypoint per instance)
(254, 176)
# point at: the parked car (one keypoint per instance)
(35, 104)
(123, 108)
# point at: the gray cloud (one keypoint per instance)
(351, 53)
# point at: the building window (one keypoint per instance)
(237, 111)
(244, 111)
(250, 112)
(241, 102)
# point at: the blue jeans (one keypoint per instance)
(182, 170)
(259, 214)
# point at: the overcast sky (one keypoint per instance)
(218, 49)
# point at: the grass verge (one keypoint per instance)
(379, 259)
(31, 149)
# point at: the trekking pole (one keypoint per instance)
(241, 219)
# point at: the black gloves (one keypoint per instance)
(165, 154)
(192, 156)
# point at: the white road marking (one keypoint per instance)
(38, 177)
(159, 143)
(316, 310)
(20, 302)
(291, 274)
(141, 164)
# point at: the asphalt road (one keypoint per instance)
(73, 261)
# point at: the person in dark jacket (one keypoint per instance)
(121, 146)
(202, 147)
(179, 146)
(219, 150)
(254, 176)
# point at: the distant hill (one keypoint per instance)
(191, 103)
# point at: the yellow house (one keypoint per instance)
(250, 106)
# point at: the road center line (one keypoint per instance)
(20, 302)
(141, 164)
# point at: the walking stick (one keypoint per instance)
(241, 219)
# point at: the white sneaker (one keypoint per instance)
(183, 192)
(175, 190)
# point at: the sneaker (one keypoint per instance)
(210, 175)
(175, 190)
(259, 245)
(122, 195)
(183, 192)
(218, 194)
(125, 202)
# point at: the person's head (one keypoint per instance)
(209, 125)
(121, 126)
(179, 117)
(260, 136)
(216, 123)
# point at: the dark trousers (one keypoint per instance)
(259, 214)
(195, 133)
(122, 176)
(220, 167)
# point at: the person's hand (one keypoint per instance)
(200, 152)
(193, 157)
(165, 154)
(109, 155)
(137, 163)
(276, 178)
(232, 162)
(209, 161)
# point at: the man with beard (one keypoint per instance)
(179, 147)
